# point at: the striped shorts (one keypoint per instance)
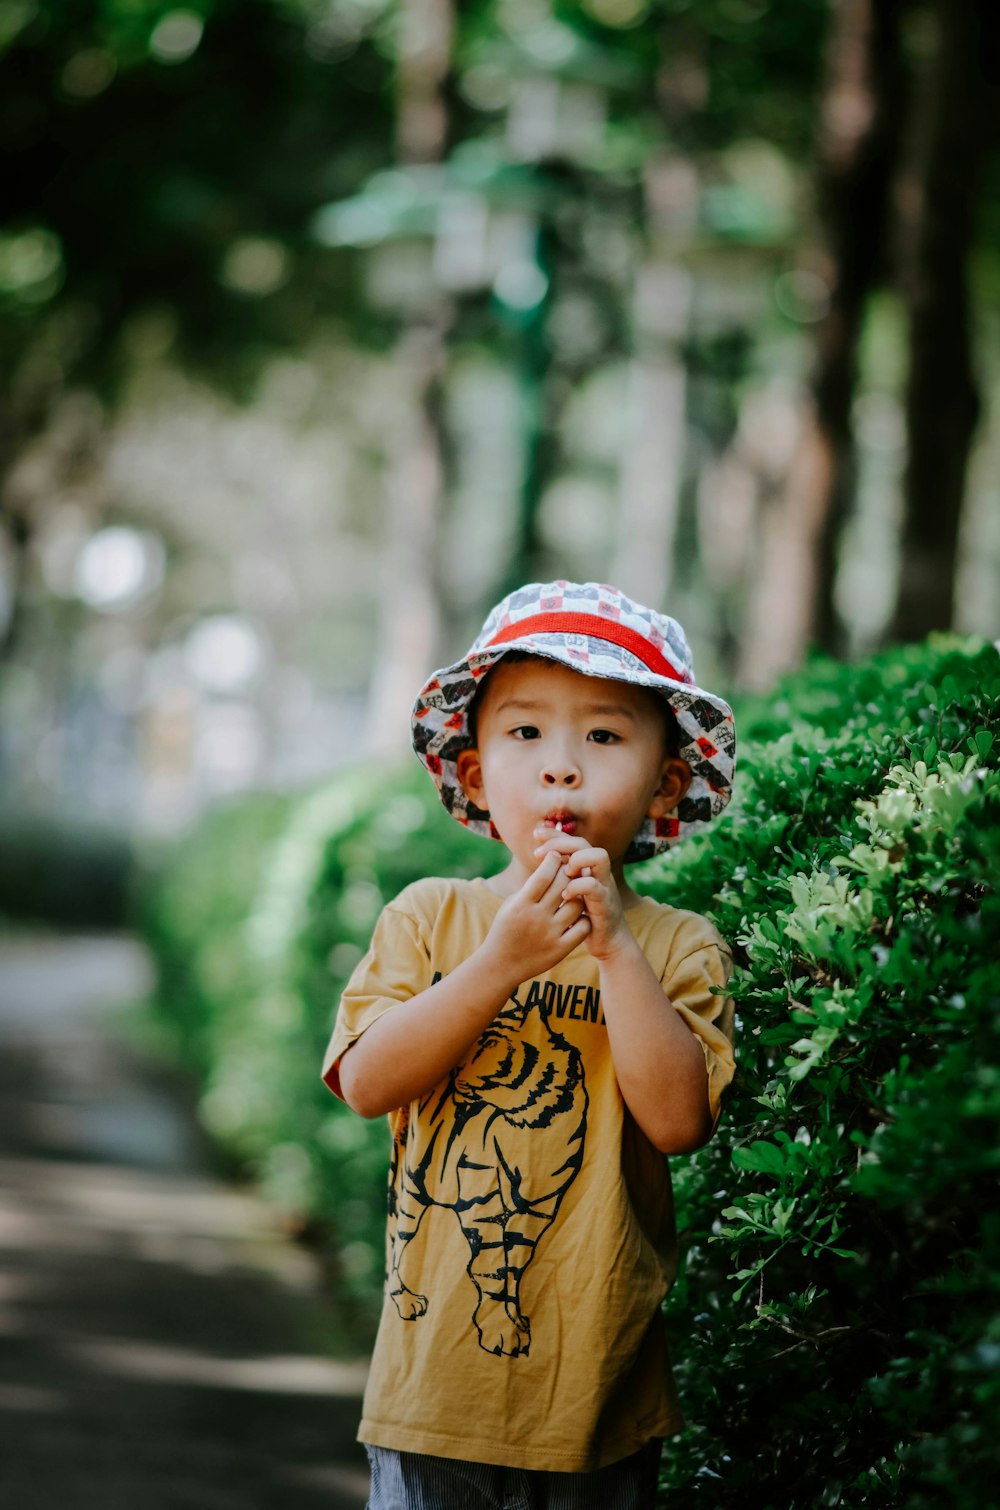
(415, 1481)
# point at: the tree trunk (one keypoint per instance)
(425, 57)
(653, 467)
(859, 153)
(20, 423)
(942, 401)
(409, 607)
(526, 560)
(409, 599)
(793, 600)
(15, 540)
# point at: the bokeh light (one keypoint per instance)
(118, 567)
(176, 36)
(224, 653)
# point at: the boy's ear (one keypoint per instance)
(470, 774)
(675, 778)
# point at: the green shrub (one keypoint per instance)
(192, 906)
(837, 1325)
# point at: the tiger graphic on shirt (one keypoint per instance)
(506, 1142)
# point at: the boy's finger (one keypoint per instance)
(552, 895)
(576, 933)
(583, 886)
(558, 847)
(541, 878)
(588, 862)
(568, 910)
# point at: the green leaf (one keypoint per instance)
(982, 742)
(763, 1158)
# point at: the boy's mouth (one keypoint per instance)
(563, 822)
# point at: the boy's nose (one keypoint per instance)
(560, 775)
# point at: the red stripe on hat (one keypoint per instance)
(596, 629)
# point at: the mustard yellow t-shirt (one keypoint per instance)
(531, 1236)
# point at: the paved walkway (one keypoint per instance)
(162, 1346)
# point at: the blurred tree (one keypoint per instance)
(168, 166)
(954, 129)
(856, 157)
(408, 607)
(162, 168)
(908, 124)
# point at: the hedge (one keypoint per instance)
(837, 1323)
(836, 1327)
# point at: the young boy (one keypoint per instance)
(539, 1040)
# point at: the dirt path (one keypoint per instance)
(162, 1346)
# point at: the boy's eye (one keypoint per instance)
(525, 731)
(603, 736)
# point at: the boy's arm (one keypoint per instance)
(408, 1050)
(659, 1063)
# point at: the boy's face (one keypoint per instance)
(555, 746)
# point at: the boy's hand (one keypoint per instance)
(588, 880)
(539, 925)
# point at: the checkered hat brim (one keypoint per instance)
(595, 630)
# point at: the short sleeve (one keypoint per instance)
(396, 967)
(689, 983)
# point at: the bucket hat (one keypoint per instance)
(598, 631)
